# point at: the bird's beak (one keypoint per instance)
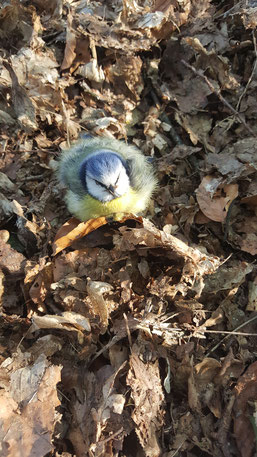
(112, 190)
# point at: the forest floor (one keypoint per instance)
(139, 338)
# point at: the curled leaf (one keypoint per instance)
(214, 199)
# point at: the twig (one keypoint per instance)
(229, 12)
(217, 92)
(234, 332)
(227, 332)
(128, 331)
(107, 346)
(35, 177)
(111, 437)
(252, 74)
(178, 448)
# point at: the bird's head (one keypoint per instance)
(104, 175)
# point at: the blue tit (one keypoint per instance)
(106, 177)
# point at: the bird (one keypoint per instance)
(106, 177)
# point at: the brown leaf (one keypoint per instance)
(146, 392)
(69, 52)
(212, 204)
(66, 321)
(198, 127)
(99, 420)
(252, 296)
(193, 394)
(11, 261)
(95, 290)
(41, 285)
(246, 392)
(217, 65)
(229, 276)
(126, 76)
(73, 230)
(33, 393)
(24, 108)
(249, 243)
(206, 370)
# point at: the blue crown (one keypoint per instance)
(100, 164)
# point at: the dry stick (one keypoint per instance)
(35, 177)
(248, 82)
(111, 437)
(128, 331)
(217, 92)
(251, 76)
(229, 12)
(234, 332)
(226, 332)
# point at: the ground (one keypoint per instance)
(135, 338)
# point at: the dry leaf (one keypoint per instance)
(245, 393)
(33, 393)
(69, 52)
(10, 260)
(252, 296)
(147, 394)
(74, 230)
(95, 290)
(66, 321)
(210, 199)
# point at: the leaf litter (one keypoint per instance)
(137, 337)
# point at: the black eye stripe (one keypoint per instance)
(100, 184)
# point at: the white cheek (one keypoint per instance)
(97, 191)
(123, 183)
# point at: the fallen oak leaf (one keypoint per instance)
(251, 200)
(28, 411)
(95, 290)
(67, 320)
(152, 237)
(41, 285)
(249, 244)
(147, 395)
(22, 103)
(196, 263)
(245, 395)
(69, 52)
(214, 198)
(73, 230)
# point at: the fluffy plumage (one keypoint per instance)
(106, 177)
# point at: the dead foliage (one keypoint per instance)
(135, 338)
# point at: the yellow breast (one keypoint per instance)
(89, 208)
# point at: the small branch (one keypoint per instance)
(252, 74)
(217, 92)
(234, 332)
